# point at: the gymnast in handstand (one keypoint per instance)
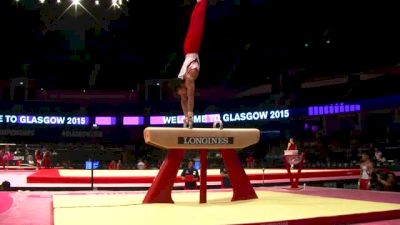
(184, 84)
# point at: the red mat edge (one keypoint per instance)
(18, 169)
(42, 176)
(340, 219)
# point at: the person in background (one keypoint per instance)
(190, 175)
(226, 183)
(112, 165)
(250, 161)
(29, 158)
(2, 158)
(291, 145)
(378, 156)
(38, 158)
(387, 181)
(141, 165)
(46, 160)
(366, 169)
(8, 155)
(119, 165)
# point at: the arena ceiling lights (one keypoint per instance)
(96, 9)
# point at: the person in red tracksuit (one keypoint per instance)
(291, 145)
(1, 158)
(46, 160)
(7, 156)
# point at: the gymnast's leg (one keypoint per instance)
(195, 31)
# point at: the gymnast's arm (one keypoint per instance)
(190, 87)
(184, 104)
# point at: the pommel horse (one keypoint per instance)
(177, 140)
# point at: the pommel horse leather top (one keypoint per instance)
(200, 138)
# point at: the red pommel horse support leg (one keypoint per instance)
(242, 188)
(177, 140)
(161, 188)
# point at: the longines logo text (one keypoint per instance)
(205, 140)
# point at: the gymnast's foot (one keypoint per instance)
(190, 124)
(187, 123)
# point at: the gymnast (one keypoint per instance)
(184, 84)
